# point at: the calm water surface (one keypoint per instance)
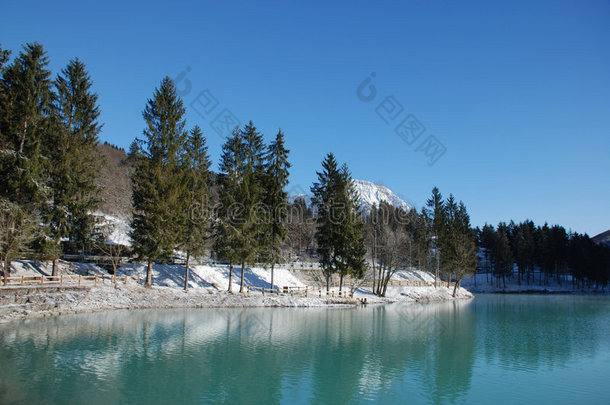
(494, 349)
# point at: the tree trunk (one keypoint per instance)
(457, 281)
(241, 279)
(186, 272)
(54, 271)
(327, 281)
(373, 290)
(386, 281)
(272, 266)
(230, 276)
(149, 274)
(7, 269)
(379, 280)
(340, 281)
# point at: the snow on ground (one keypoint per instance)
(118, 229)
(413, 275)
(212, 276)
(208, 285)
(33, 268)
(49, 301)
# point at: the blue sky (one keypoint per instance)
(517, 94)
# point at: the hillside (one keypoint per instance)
(603, 238)
(114, 179)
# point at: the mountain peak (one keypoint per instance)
(370, 194)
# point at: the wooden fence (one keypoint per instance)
(408, 283)
(68, 279)
(300, 292)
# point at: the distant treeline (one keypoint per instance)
(537, 254)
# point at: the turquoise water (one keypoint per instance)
(501, 349)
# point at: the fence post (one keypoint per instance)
(79, 280)
(41, 280)
(21, 280)
(61, 280)
(125, 279)
(95, 281)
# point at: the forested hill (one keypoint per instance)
(114, 180)
(603, 238)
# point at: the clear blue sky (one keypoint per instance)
(517, 92)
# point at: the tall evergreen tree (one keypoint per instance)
(196, 199)
(251, 197)
(228, 237)
(23, 124)
(339, 229)
(157, 185)
(502, 255)
(435, 210)
(327, 232)
(71, 148)
(353, 251)
(460, 250)
(276, 169)
(25, 106)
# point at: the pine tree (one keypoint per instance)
(23, 125)
(461, 243)
(228, 237)
(157, 185)
(502, 255)
(435, 208)
(25, 106)
(75, 161)
(276, 170)
(195, 219)
(339, 229)
(324, 193)
(352, 258)
(251, 198)
(486, 242)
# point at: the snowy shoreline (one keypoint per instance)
(208, 287)
(55, 301)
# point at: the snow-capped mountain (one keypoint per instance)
(370, 193)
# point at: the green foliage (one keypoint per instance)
(339, 228)
(24, 121)
(228, 238)
(71, 148)
(157, 184)
(17, 230)
(276, 179)
(195, 169)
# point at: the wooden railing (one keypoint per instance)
(291, 291)
(301, 292)
(408, 283)
(68, 279)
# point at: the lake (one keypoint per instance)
(500, 349)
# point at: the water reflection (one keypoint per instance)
(389, 354)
